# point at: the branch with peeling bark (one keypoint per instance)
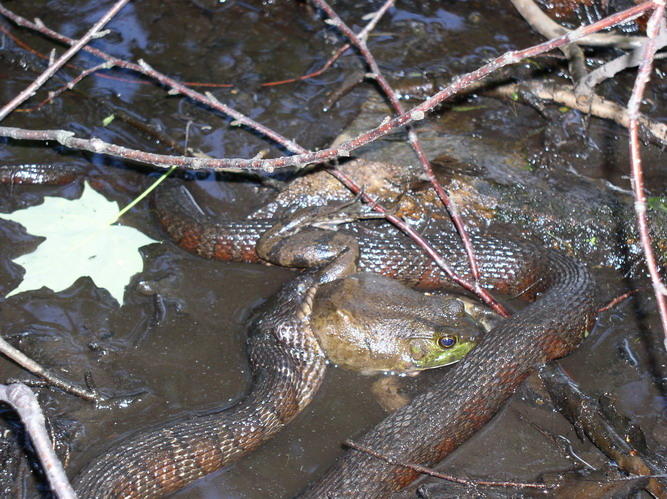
(596, 106)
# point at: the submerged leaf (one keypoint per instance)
(80, 241)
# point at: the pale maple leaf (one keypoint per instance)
(80, 241)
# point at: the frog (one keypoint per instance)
(364, 321)
(372, 324)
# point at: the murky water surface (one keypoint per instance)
(180, 347)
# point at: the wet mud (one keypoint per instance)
(176, 345)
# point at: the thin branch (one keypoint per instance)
(21, 398)
(71, 84)
(617, 300)
(551, 29)
(133, 81)
(363, 34)
(55, 66)
(454, 214)
(417, 113)
(428, 471)
(656, 24)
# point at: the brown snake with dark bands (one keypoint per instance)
(287, 367)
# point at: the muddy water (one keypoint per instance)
(176, 344)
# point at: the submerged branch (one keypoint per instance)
(428, 471)
(27, 363)
(585, 413)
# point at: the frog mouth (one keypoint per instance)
(443, 358)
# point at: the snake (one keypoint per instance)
(288, 364)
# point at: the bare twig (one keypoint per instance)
(55, 66)
(550, 28)
(21, 398)
(419, 151)
(417, 113)
(72, 83)
(133, 81)
(428, 471)
(543, 24)
(363, 34)
(656, 25)
(27, 363)
(612, 303)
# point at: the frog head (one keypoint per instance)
(441, 349)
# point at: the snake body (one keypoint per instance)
(435, 423)
(288, 365)
(287, 369)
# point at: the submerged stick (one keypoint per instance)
(586, 416)
(27, 363)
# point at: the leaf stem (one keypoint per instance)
(141, 196)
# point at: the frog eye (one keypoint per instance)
(447, 341)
